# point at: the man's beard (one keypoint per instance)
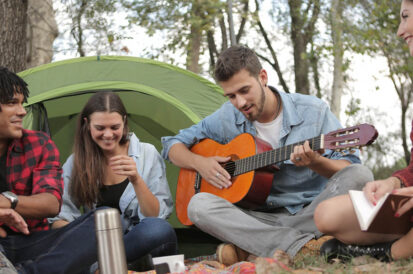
(260, 107)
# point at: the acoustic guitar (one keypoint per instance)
(252, 165)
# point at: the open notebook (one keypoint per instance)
(380, 218)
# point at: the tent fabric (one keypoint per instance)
(160, 98)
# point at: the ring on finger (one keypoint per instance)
(298, 158)
(218, 174)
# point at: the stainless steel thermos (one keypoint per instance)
(111, 249)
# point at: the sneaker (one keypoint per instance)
(6, 267)
(335, 249)
(229, 254)
(313, 246)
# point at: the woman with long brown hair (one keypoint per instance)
(110, 167)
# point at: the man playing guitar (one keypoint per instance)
(285, 220)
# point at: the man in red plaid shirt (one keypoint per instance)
(31, 190)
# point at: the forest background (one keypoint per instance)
(343, 51)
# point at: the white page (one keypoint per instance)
(365, 211)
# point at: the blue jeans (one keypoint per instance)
(151, 235)
(70, 249)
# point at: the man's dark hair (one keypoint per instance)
(234, 59)
(11, 83)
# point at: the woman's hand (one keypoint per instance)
(125, 165)
(376, 189)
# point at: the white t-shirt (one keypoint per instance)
(270, 132)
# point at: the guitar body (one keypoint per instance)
(248, 190)
(251, 159)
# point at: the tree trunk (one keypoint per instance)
(194, 49)
(231, 24)
(77, 27)
(41, 32)
(223, 28)
(336, 33)
(299, 48)
(303, 20)
(194, 43)
(13, 14)
(244, 16)
(404, 135)
(302, 84)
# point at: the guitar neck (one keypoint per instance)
(272, 157)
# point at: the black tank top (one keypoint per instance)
(110, 195)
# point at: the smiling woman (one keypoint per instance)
(106, 130)
(405, 30)
(91, 148)
(110, 167)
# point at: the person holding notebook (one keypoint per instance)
(337, 217)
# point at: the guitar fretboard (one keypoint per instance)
(270, 157)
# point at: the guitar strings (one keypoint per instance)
(267, 158)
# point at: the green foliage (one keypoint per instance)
(353, 107)
(384, 171)
(373, 31)
(92, 25)
(180, 21)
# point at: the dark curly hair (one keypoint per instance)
(10, 83)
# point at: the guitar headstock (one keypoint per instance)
(351, 137)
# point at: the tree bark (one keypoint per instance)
(194, 48)
(13, 14)
(244, 16)
(223, 28)
(77, 27)
(194, 43)
(41, 32)
(212, 48)
(302, 31)
(336, 33)
(299, 48)
(231, 24)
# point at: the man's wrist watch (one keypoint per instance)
(11, 197)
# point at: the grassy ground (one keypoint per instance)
(206, 245)
(317, 264)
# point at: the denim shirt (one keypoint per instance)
(151, 168)
(304, 117)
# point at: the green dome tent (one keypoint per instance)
(160, 98)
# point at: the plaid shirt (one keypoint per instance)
(406, 174)
(33, 167)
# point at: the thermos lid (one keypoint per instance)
(107, 219)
